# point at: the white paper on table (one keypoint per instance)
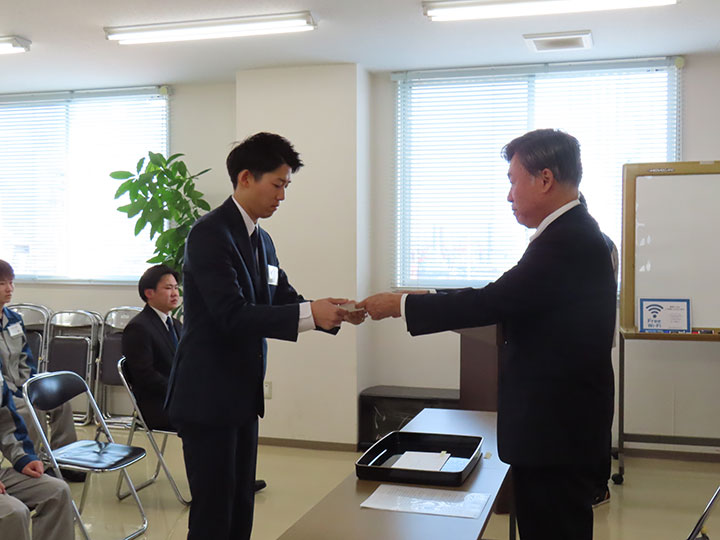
(419, 500)
(422, 461)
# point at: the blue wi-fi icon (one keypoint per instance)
(654, 309)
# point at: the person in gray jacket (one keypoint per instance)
(24, 487)
(18, 365)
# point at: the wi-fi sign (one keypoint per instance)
(654, 309)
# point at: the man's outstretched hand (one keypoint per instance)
(327, 312)
(382, 305)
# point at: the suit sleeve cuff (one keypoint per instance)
(404, 298)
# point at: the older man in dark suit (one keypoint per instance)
(557, 311)
(236, 295)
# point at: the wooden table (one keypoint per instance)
(339, 516)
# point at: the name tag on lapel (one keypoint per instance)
(15, 329)
(273, 273)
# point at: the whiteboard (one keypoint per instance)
(677, 242)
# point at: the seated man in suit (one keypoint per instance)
(18, 365)
(149, 342)
(23, 486)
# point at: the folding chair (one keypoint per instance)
(698, 533)
(36, 319)
(74, 340)
(114, 323)
(47, 391)
(139, 423)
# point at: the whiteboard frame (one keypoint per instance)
(628, 304)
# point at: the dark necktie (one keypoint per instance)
(171, 329)
(254, 244)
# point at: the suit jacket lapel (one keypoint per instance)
(264, 293)
(242, 241)
(160, 328)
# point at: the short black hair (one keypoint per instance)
(152, 277)
(6, 271)
(260, 154)
(548, 149)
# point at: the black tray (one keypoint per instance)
(376, 463)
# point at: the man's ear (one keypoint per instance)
(547, 180)
(149, 293)
(245, 177)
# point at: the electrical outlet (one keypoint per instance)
(267, 390)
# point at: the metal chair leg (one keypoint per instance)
(83, 498)
(159, 452)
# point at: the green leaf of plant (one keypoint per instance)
(156, 159)
(203, 204)
(125, 208)
(140, 225)
(121, 175)
(173, 158)
(125, 186)
(156, 259)
(201, 172)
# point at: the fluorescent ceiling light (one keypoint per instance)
(13, 45)
(461, 10)
(212, 28)
(559, 41)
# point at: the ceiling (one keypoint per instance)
(69, 50)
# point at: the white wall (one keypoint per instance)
(315, 232)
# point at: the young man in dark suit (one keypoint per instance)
(149, 342)
(557, 311)
(236, 295)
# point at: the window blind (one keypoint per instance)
(454, 226)
(58, 217)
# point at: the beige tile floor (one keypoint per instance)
(660, 499)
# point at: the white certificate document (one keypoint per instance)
(420, 500)
(422, 461)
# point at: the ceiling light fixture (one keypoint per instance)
(460, 10)
(212, 28)
(13, 45)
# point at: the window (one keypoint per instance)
(454, 224)
(58, 217)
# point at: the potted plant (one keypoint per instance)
(163, 196)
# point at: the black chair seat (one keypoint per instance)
(98, 456)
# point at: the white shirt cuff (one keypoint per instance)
(306, 321)
(402, 305)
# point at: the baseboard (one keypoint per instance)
(309, 445)
(671, 454)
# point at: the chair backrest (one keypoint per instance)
(69, 353)
(36, 319)
(35, 341)
(117, 318)
(111, 353)
(48, 391)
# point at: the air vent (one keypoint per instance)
(559, 41)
